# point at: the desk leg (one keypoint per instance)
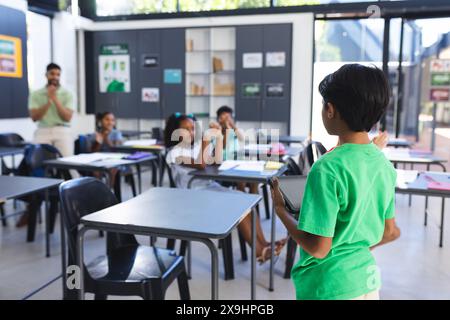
(426, 204)
(441, 237)
(214, 268)
(63, 255)
(47, 225)
(161, 169)
(189, 259)
(253, 272)
(139, 176)
(80, 262)
(410, 196)
(272, 244)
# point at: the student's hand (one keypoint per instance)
(230, 124)
(99, 137)
(277, 196)
(51, 92)
(215, 125)
(381, 140)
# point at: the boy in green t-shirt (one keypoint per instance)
(349, 200)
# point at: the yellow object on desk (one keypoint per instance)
(149, 147)
(273, 165)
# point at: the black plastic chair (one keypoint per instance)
(314, 150)
(10, 140)
(128, 269)
(32, 164)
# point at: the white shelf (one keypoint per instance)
(202, 45)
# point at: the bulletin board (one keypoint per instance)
(10, 57)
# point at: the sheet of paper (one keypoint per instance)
(143, 142)
(405, 177)
(85, 158)
(254, 166)
(445, 186)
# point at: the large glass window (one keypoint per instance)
(208, 5)
(120, 7)
(338, 42)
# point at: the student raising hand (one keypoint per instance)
(381, 140)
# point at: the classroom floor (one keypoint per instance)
(414, 267)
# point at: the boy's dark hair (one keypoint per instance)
(52, 66)
(359, 93)
(224, 109)
(172, 124)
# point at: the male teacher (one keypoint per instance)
(52, 108)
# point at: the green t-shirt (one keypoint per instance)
(349, 194)
(39, 98)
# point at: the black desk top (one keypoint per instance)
(399, 143)
(282, 139)
(8, 151)
(213, 173)
(130, 149)
(13, 186)
(134, 133)
(97, 165)
(176, 212)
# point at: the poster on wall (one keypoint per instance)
(114, 68)
(150, 94)
(440, 95)
(275, 90)
(252, 60)
(150, 61)
(251, 90)
(276, 59)
(173, 76)
(440, 79)
(10, 57)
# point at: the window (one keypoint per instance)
(209, 5)
(120, 7)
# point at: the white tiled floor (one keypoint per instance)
(414, 267)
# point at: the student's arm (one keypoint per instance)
(391, 232)
(315, 245)
(199, 162)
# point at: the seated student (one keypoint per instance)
(231, 137)
(185, 154)
(106, 135)
(348, 206)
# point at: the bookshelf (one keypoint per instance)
(210, 70)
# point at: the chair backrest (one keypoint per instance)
(169, 172)
(83, 196)
(10, 139)
(293, 168)
(314, 150)
(34, 156)
(83, 144)
(158, 134)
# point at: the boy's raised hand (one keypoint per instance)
(277, 196)
(381, 140)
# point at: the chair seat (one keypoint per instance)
(134, 264)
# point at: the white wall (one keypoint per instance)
(302, 56)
